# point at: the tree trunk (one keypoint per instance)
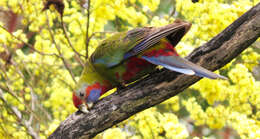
(163, 84)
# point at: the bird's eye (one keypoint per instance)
(81, 94)
(81, 91)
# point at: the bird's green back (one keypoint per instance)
(112, 50)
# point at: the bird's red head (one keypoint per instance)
(76, 100)
(87, 95)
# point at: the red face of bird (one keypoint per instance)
(84, 97)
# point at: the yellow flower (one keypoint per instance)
(114, 133)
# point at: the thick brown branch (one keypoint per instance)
(164, 84)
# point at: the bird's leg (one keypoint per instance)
(121, 86)
(157, 70)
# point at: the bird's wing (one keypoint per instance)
(124, 45)
(173, 32)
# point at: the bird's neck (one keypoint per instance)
(92, 78)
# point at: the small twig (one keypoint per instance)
(59, 51)
(29, 45)
(19, 116)
(173, 10)
(7, 89)
(30, 110)
(87, 29)
(70, 44)
(67, 84)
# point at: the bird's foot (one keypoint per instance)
(121, 86)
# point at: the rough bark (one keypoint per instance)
(164, 84)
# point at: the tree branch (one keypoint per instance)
(78, 55)
(58, 48)
(164, 84)
(87, 28)
(20, 118)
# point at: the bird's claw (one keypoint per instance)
(121, 86)
(83, 108)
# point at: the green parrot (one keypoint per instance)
(128, 56)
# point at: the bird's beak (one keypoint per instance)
(90, 105)
(86, 106)
(83, 108)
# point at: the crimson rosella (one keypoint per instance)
(128, 56)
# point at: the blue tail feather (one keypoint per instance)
(181, 65)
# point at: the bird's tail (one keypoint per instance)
(179, 64)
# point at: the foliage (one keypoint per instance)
(38, 68)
